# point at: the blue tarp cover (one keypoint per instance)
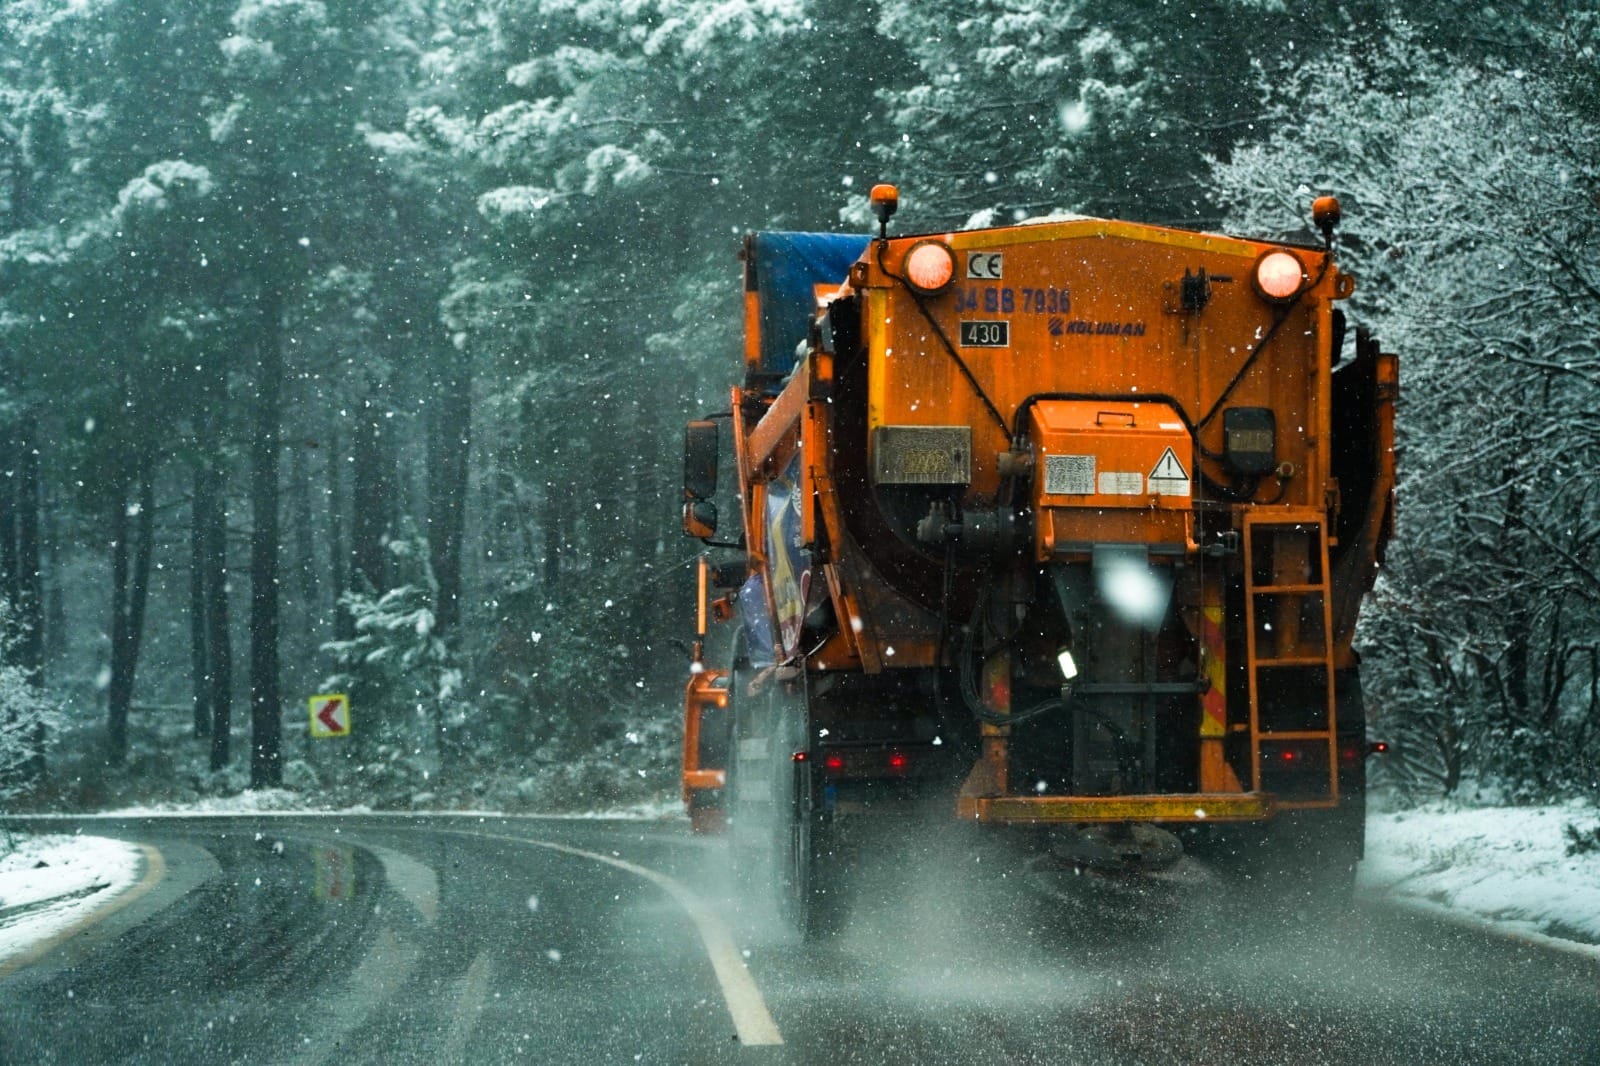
(788, 266)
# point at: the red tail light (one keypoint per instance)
(833, 762)
(997, 683)
(898, 761)
(1295, 757)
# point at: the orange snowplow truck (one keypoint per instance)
(1063, 524)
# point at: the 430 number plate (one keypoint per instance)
(980, 334)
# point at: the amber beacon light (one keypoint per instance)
(1325, 215)
(885, 202)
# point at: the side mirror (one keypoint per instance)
(700, 518)
(700, 444)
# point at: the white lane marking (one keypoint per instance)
(751, 1019)
(417, 882)
(155, 868)
(474, 989)
(387, 965)
(376, 980)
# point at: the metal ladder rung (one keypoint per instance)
(1311, 526)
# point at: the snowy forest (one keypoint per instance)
(346, 347)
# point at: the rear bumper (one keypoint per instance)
(1056, 810)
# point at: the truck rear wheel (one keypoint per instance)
(811, 892)
(807, 888)
(749, 786)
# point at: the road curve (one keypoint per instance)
(441, 939)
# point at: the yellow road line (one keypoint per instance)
(751, 1019)
(155, 868)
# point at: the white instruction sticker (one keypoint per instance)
(1121, 483)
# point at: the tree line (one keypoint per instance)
(350, 343)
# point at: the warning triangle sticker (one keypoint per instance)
(1169, 468)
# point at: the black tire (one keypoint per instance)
(812, 893)
(748, 785)
(781, 841)
(807, 884)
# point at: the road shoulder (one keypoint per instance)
(53, 887)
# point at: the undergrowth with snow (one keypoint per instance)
(167, 768)
(1512, 867)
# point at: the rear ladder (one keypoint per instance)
(1289, 657)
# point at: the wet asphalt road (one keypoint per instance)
(442, 940)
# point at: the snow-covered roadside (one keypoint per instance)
(51, 882)
(287, 804)
(1503, 867)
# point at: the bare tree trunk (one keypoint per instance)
(130, 586)
(343, 624)
(139, 593)
(449, 434)
(372, 500)
(266, 742)
(300, 503)
(554, 520)
(55, 627)
(30, 577)
(10, 566)
(119, 691)
(198, 631)
(10, 432)
(1518, 620)
(303, 627)
(219, 641)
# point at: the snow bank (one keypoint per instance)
(1506, 867)
(287, 804)
(250, 801)
(50, 882)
